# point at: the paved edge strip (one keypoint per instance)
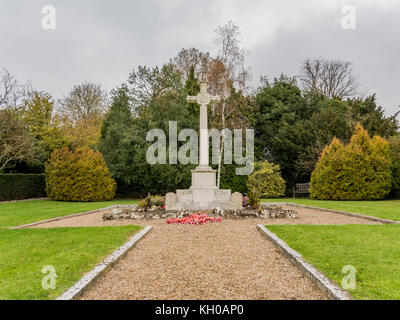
(70, 216)
(90, 278)
(23, 200)
(333, 291)
(350, 214)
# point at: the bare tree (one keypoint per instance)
(332, 78)
(87, 101)
(195, 58)
(308, 159)
(16, 144)
(11, 91)
(228, 71)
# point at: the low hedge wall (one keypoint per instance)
(22, 186)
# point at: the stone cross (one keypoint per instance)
(203, 99)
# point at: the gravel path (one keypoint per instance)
(227, 260)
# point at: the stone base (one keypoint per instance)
(203, 194)
(198, 198)
(203, 198)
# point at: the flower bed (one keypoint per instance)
(196, 218)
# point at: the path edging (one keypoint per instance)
(24, 200)
(333, 291)
(90, 278)
(350, 214)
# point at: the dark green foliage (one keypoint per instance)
(123, 140)
(192, 88)
(231, 181)
(22, 186)
(116, 138)
(372, 117)
(293, 128)
(282, 109)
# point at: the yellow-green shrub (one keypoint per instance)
(265, 181)
(394, 143)
(360, 170)
(78, 176)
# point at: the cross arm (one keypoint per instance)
(191, 99)
(215, 99)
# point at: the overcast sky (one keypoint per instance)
(102, 41)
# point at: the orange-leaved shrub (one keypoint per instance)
(360, 170)
(78, 176)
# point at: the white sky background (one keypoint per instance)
(102, 41)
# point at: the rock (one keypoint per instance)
(219, 212)
(264, 214)
(292, 214)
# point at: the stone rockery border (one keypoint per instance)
(333, 291)
(90, 278)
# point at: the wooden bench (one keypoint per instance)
(301, 188)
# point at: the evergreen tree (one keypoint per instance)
(192, 88)
(117, 137)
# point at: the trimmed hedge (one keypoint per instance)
(17, 186)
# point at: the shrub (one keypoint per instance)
(265, 181)
(394, 143)
(22, 186)
(360, 170)
(150, 201)
(158, 201)
(254, 198)
(78, 176)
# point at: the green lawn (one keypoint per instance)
(385, 209)
(373, 250)
(71, 251)
(17, 213)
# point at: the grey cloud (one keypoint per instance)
(101, 41)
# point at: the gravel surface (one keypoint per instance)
(226, 260)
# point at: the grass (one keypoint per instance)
(374, 251)
(385, 209)
(71, 251)
(17, 213)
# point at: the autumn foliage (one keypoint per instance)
(360, 170)
(78, 176)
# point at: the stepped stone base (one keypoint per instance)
(203, 194)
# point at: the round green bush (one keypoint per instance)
(265, 182)
(360, 170)
(78, 176)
